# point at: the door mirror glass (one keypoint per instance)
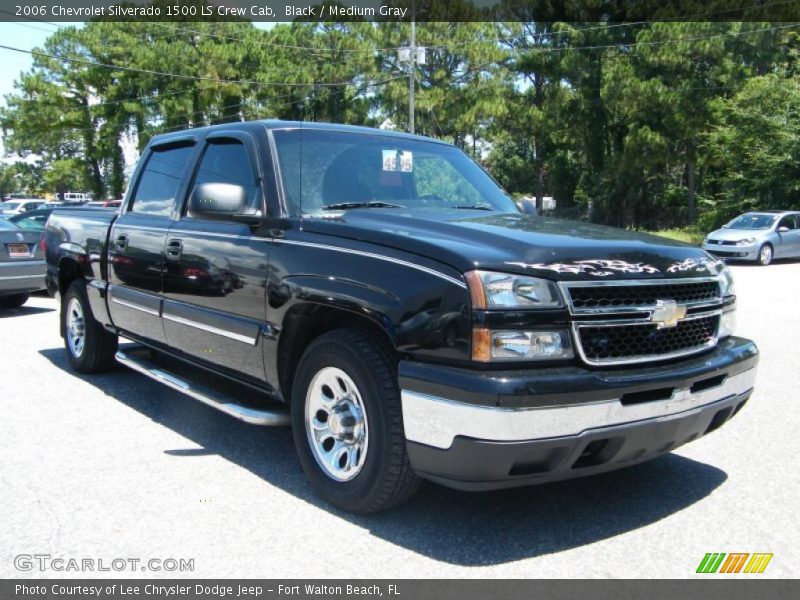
(528, 207)
(217, 200)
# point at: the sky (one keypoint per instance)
(28, 36)
(19, 35)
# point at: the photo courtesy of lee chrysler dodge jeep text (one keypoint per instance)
(381, 294)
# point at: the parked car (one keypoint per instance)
(33, 220)
(103, 204)
(13, 207)
(379, 292)
(21, 264)
(75, 197)
(757, 236)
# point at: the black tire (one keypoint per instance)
(13, 301)
(765, 254)
(386, 478)
(99, 346)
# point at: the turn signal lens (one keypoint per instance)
(481, 344)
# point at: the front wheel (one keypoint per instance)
(765, 255)
(348, 425)
(90, 348)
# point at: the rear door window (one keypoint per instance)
(160, 179)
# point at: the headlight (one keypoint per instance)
(726, 280)
(488, 345)
(727, 323)
(745, 242)
(503, 290)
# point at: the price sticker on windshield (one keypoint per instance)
(398, 160)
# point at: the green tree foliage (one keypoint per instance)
(643, 124)
(755, 147)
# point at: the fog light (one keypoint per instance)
(727, 323)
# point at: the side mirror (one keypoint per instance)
(217, 200)
(528, 207)
(783, 229)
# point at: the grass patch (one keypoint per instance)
(685, 234)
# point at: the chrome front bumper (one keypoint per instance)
(436, 421)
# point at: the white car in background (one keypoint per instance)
(758, 236)
(14, 207)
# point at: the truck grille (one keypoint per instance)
(637, 296)
(614, 320)
(645, 341)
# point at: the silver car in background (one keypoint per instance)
(759, 236)
(21, 263)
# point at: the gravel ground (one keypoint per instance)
(118, 466)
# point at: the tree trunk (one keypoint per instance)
(117, 182)
(93, 172)
(691, 190)
(538, 146)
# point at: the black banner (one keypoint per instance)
(402, 10)
(734, 588)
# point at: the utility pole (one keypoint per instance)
(412, 68)
(414, 56)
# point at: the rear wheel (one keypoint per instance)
(348, 425)
(90, 348)
(765, 255)
(13, 301)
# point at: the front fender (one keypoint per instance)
(367, 301)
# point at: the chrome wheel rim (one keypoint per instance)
(766, 255)
(336, 424)
(76, 328)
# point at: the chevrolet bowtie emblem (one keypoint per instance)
(667, 313)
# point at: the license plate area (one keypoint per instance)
(18, 250)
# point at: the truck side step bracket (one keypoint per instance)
(138, 358)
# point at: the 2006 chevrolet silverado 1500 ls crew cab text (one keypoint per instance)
(380, 293)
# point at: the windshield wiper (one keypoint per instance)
(475, 207)
(345, 205)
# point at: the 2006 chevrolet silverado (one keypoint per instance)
(380, 293)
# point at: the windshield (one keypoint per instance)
(6, 226)
(30, 222)
(752, 221)
(9, 205)
(330, 170)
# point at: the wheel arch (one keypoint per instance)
(306, 321)
(69, 269)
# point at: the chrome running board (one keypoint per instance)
(132, 357)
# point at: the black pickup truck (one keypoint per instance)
(381, 294)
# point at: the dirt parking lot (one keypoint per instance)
(118, 466)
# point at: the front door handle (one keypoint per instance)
(174, 249)
(121, 242)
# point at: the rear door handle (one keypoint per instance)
(121, 242)
(174, 249)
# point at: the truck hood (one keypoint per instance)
(512, 242)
